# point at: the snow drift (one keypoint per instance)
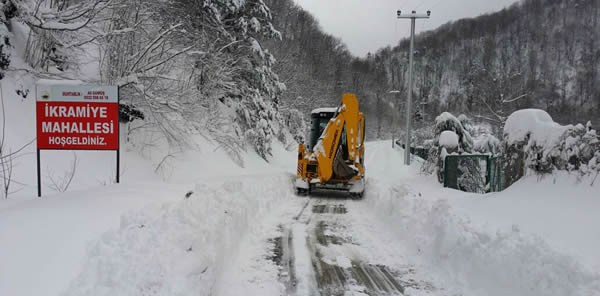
(501, 263)
(182, 246)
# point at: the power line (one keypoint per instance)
(436, 4)
(401, 3)
(421, 4)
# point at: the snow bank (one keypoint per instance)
(182, 246)
(44, 240)
(561, 208)
(486, 263)
(535, 124)
(486, 245)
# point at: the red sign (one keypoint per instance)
(77, 117)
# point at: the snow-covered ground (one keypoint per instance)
(44, 240)
(536, 238)
(138, 237)
(195, 222)
(560, 209)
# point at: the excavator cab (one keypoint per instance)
(319, 119)
(334, 158)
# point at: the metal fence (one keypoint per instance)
(473, 173)
(418, 151)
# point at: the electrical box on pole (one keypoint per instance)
(413, 17)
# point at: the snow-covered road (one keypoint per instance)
(334, 247)
(245, 232)
(327, 244)
(404, 238)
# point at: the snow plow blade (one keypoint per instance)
(334, 159)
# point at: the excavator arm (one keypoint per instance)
(336, 159)
(342, 127)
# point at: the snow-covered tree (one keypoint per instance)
(185, 66)
(534, 143)
(450, 136)
(7, 11)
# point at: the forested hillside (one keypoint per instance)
(539, 53)
(536, 53)
(317, 69)
(239, 71)
(185, 68)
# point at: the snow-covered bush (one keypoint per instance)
(450, 136)
(533, 141)
(530, 141)
(448, 122)
(453, 136)
(580, 149)
(487, 144)
(466, 122)
(448, 140)
(295, 122)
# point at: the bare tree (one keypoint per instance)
(7, 158)
(58, 29)
(62, 183)
(5, 161)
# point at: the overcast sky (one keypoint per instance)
(367, 25)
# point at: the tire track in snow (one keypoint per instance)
(329, 259)
(339, 266)
(318, 258)
(306, 283)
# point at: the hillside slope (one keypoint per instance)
(544, 51)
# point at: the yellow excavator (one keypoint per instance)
(334, 159)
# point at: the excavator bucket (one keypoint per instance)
(334, 158)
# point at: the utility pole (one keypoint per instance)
(413, 17)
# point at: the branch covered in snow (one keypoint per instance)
(52, 17)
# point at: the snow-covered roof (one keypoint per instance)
(535, 123)
(325, 110)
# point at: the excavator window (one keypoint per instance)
(318, 124)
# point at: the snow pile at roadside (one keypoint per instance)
(486, 263)
(561, 208)
(182, 246)
(44, 240)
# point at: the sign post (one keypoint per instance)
(76, 117)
